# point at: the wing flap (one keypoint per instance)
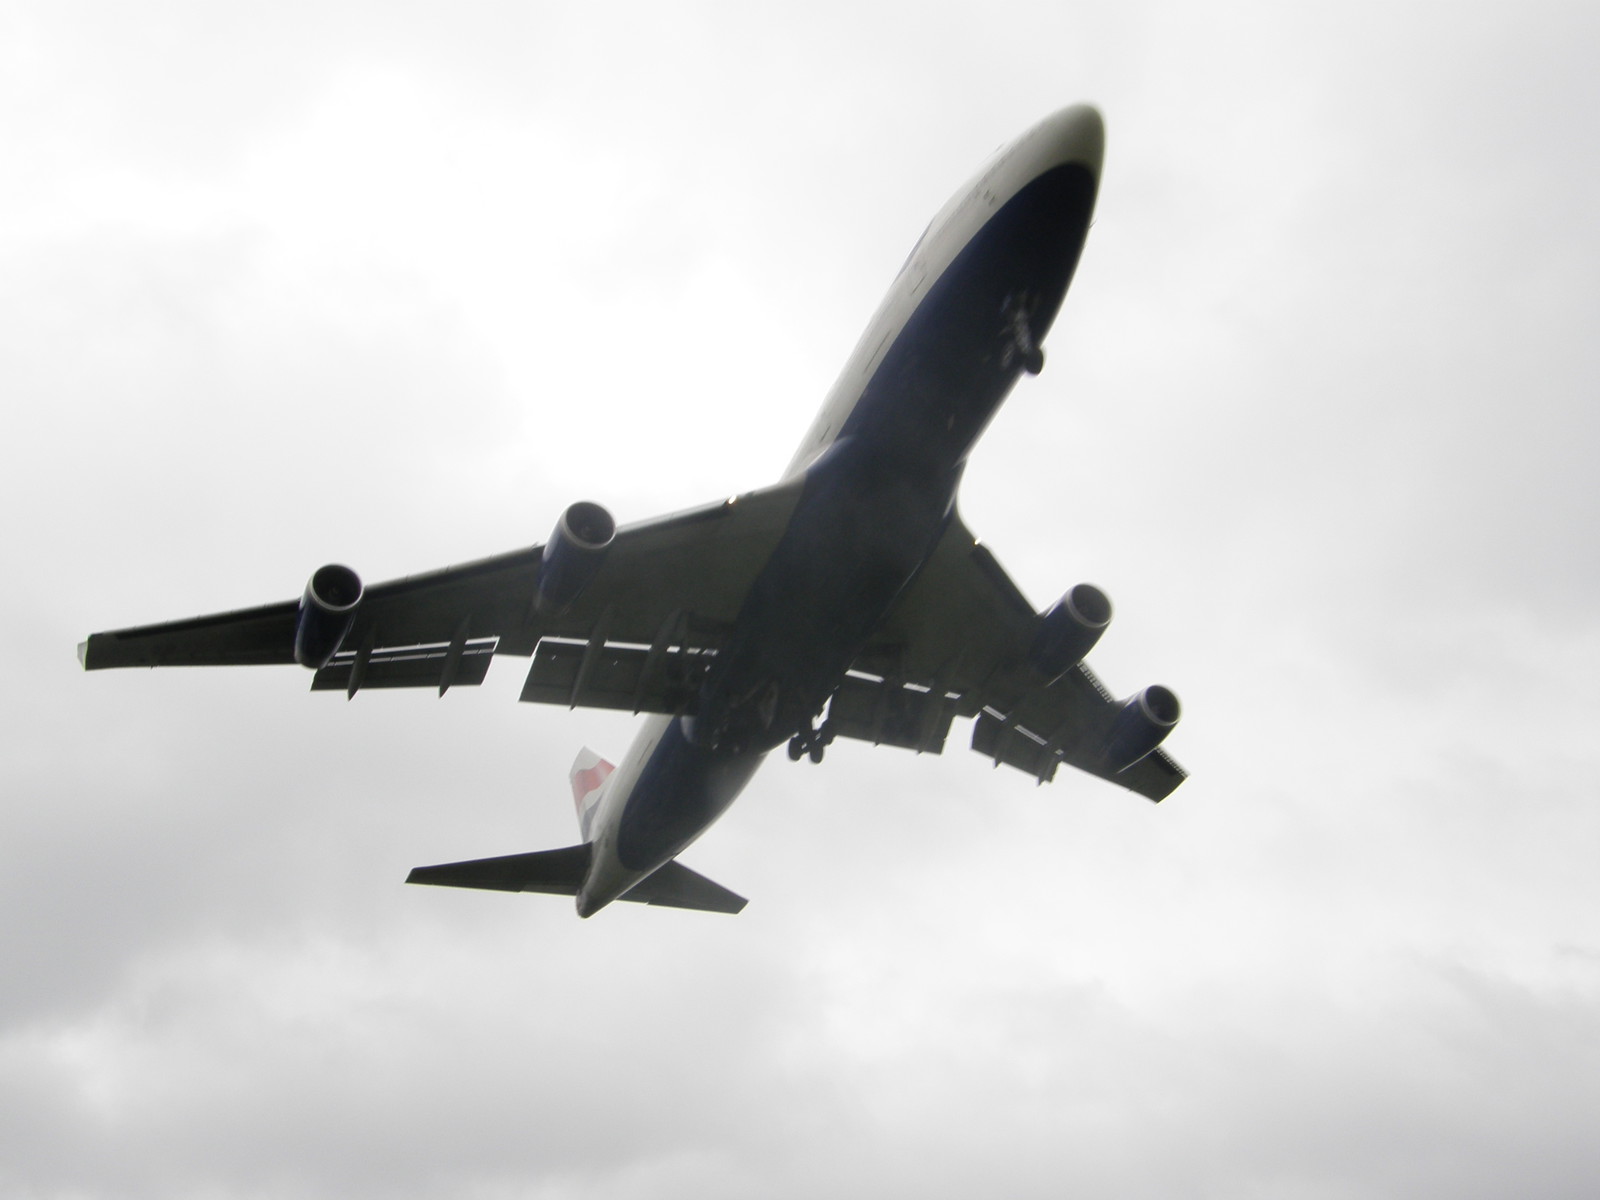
(432, 666)
(599, 674)
(994, 738)
(886, 713)
(676, 886)
(1155, 777)
(553, 872)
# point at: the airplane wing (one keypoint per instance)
(665, 595)
(957, 644)
(641, 634)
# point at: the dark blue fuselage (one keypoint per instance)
(872, 508)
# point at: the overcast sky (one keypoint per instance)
(390, 284)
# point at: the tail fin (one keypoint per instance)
(589, 775)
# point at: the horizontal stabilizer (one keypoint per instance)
(562, 872)
(891, 714)
(557, 872)
(676, 886)
(1156, 776)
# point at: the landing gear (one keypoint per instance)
(810, 742)
(1020, 344)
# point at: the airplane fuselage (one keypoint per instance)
(880, 467)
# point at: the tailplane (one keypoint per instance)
(556, 872)
(562, 873)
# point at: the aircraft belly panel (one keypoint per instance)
(681, 789)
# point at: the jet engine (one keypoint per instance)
(327, 611)
(1069, 630)
(573, 555)
(1139, 725)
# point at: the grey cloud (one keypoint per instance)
(1316, 414)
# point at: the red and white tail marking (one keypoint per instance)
(589, 775)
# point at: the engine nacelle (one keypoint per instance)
(327, 611)
(573, 555)
(1140, 724)
(1069, 630)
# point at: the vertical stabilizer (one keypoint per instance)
(589, 775)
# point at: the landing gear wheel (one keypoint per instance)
(1022, 347)
(816, 749)
(796, 748)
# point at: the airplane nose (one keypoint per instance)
(1080, 134)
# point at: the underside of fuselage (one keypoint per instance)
(876, 502)
(872, 507)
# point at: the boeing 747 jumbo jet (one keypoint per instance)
(846, 600)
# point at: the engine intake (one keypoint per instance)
(573, 555)
(1140, 724)
(327, 611)
(1069, 630)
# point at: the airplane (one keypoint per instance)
(849, 599)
